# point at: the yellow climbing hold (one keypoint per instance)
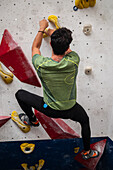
(78, 4)
(21, 125)
(24, 165)
(76, 150)
(54, 19)
(41, 164)
(37, 166)
(27, 148)
(6, 76)
(92, 3)
(84, 3)
(32, 168)
(45, 35)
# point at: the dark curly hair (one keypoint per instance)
(60, 40)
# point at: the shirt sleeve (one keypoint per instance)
(37, 60)
(73, 56)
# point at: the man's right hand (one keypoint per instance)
(43, 24)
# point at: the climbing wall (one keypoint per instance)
(94, 90)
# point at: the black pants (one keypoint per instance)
(28, 100)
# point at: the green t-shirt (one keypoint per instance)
(58, 80)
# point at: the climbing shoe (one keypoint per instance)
(91, 154)
(25, 119)
(20, 124)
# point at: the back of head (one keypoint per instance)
(60, 40)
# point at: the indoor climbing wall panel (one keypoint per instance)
(94, 81)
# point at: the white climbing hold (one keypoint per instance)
(88, 70)
(87, 29)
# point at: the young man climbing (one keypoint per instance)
(58, 77)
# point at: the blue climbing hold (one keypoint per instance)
(75, 8)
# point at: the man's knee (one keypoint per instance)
(19, 93)
(85, 120)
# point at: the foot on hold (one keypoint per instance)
(24, 118)
(91, 154)
(21, 125)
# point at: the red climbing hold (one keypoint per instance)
(92, 162)
(3, 120)
(55, 128)
(12, 56)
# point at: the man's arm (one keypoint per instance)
(38, 39)
(49, 31)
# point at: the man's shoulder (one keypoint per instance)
(39, 60)
(73, 56)
(72, 53)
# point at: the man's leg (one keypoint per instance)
(81, 116)
(77, 113)
(27, 101)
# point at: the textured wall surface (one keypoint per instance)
(95, 94)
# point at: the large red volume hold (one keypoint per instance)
(56, 128)
(12, 56)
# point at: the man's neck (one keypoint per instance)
(57, 58)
